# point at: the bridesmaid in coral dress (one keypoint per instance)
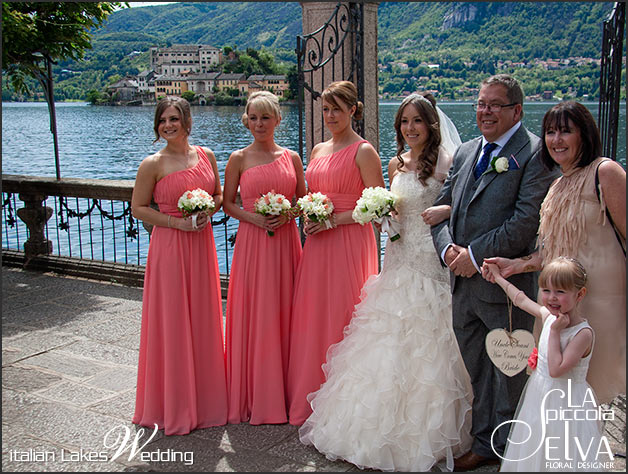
(337, 261)
(181, 382)
(259, 301)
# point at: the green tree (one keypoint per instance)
(293, 80)
(34, 33)
(94, 97)
(189, 96)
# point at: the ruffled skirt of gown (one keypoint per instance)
(397, 395)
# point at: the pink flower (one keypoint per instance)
(534, 355)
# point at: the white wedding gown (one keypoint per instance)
(397, 396)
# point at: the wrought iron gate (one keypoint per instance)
(610, 78)
(327, 46)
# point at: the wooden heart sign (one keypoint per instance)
(509, 351)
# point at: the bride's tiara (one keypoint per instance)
(414, 95)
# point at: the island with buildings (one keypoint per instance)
(190, 71)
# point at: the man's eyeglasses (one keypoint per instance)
(495, 108)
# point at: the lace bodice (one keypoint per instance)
(415, 248)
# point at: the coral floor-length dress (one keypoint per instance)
(181, 381)
(334, 266)
(259, 302)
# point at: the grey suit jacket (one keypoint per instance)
(497, 215)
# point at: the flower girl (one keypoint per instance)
(551, 431)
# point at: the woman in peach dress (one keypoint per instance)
(181, 382)
(336, 261)
(585, 218)
(259, 301)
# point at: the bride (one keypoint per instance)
(397, 396)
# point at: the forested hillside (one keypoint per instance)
(467, 40)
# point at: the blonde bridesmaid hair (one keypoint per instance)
(266, 102)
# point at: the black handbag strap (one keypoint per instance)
(608, 214)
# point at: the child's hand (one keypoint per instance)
(562, 321)
(490, 271)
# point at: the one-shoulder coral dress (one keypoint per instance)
(259, 302)
(181, 382)
(334, 266)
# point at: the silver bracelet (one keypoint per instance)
(169, 216)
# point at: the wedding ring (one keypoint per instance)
(194, 226)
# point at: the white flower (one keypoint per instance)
(272, 204)
(194, 201)
(501, 164)
(374, 203)
(316, 206)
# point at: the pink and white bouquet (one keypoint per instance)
(272, 204)
(376, 205)
(317, 207)
(192, 202)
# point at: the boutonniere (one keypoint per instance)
(500, 164)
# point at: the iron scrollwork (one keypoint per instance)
(316, 49)
(610, 78)
(130, 226)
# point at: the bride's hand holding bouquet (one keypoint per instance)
(318, 210)
(377, 205)
(196, 206)
(275, 207)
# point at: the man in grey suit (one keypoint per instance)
(494, 211)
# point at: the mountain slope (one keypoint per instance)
(244, 24)
(508, 30)
(453, 34)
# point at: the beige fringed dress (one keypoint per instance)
(574, 224)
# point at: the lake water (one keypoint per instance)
(110, 142)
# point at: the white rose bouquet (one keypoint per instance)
(192, 202)
(272, 204)
(376, 205)
(317, 207)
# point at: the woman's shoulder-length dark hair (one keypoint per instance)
(557, 118)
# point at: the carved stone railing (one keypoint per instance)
(33, 191)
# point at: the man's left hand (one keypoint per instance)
(462, 264)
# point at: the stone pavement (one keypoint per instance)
(69, 358)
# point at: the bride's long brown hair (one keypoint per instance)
(426, 106)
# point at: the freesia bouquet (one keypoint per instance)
(376, 205)
(192, 202)
(272, 204)
(317, 207)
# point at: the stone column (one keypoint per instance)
(315, 15)
(35, 215)
(371, 85)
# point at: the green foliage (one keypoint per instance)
(34, 31)
(189, 96)
(466, 39)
